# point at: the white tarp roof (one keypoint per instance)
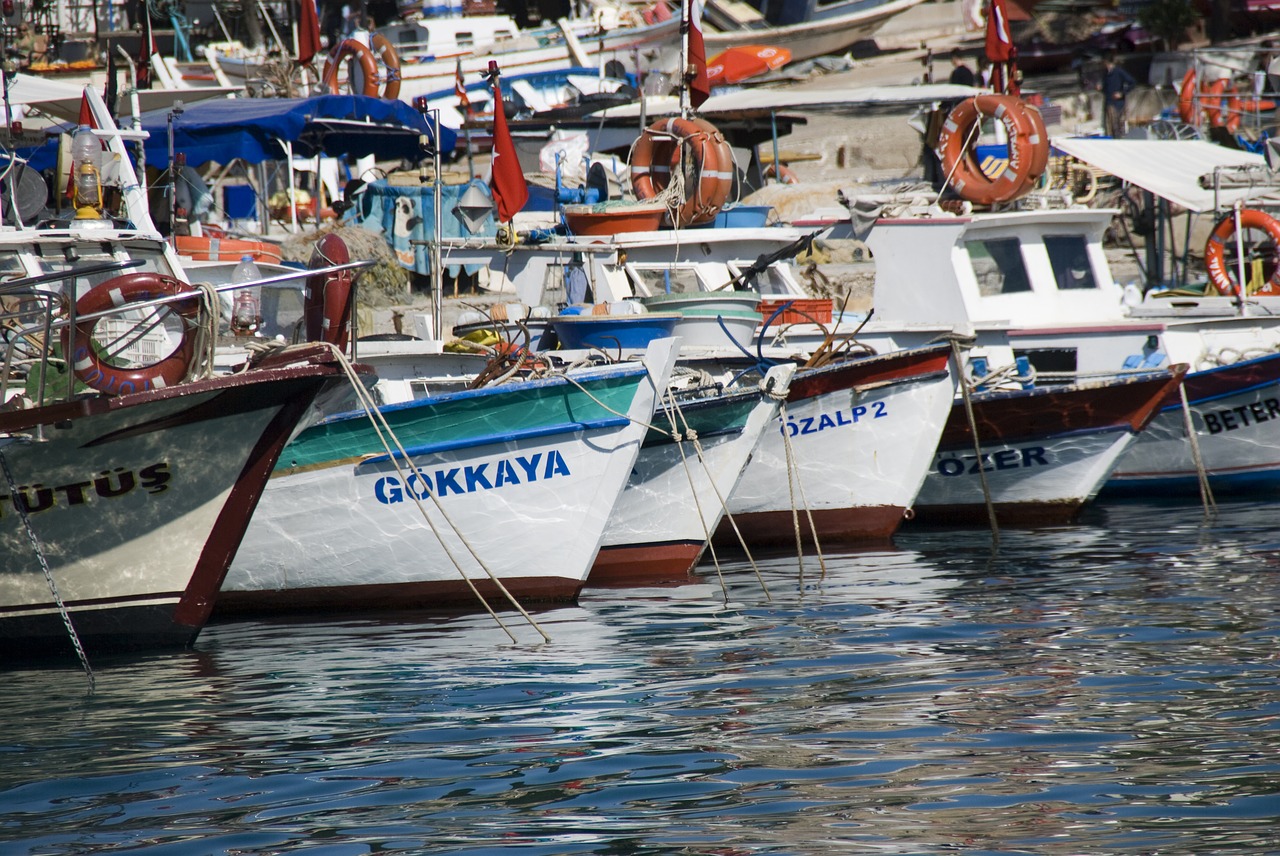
(1172, 169)
(802, 100)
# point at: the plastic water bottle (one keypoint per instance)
(246, 312)
(86, 155)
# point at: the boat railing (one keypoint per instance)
(38, 334)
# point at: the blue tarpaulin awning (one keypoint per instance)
(252, 129)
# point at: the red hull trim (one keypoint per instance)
(835, 526)
(1007, 513)
(625, 565)
(451, 595)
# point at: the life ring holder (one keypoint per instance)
(661, 150)
(356, 51)
(1027, 146)
(327, 299)
(1215, 250)
(94, 371)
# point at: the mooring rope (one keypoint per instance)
(1202, 476)
(379, 423)
(21, 508)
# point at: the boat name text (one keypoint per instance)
(1239, 417)
(471, 478)
(1005, 459)
(814, 424)
(108, 484)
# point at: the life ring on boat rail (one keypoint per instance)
(661, 152)
(214, 249)
(1216, 96)
(92, 368)
(1215, 262)
(1187, 98)
(385, 51)
(356, 51)
(326, 303)
(1027, 146)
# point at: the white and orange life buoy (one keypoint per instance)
(702, 155)
(1187, 107)
(1215, 250)
(1214, 99)
(93, 369)
(385, 51)
(356, 52)
(327, 300)
(214, 249)
(783, 174)
(1027, 145)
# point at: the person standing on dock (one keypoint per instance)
(1115, 86)
(961, 74)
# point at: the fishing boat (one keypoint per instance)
(806, 29)
(497, 492)
(1042, 453)
(129, 473)
(690, 464)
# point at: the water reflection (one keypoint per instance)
(1110, 686)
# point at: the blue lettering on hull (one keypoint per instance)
(795, 426)
(493, 475)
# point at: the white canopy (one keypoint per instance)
(802, 100)
(1173, 169)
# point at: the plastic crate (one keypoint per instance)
(803, 310)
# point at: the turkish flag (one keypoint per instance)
(999, 42)
(510, 192)
(146, 47)
(699, 85)
(308, 31)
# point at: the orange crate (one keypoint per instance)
(803, 310)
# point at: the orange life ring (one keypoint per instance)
(1028, 147)
(1215, 250)
(662, 148)
(92, 369)
(385, 51)
(1213, 101)
(784, 174)
(1187, 98)
(207, 248)
(327, 300)
(356, 51)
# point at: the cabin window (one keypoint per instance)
(665, 280)
(466, 40)
(771, 280)
(1069, 256)
(998, 266)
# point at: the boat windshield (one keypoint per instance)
(652, 281)
(1069, 257)
(60, 257)
(998, 266)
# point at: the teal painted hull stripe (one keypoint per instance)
(461, 395)
(504, 437)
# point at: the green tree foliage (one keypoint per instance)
(1168, 20)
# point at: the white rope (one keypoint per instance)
(793, 471)
(380, 426)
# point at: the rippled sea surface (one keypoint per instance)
(1107, 687)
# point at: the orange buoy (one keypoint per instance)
(1215, 250)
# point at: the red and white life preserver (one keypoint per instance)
(783, 174)
(93, 370)
(327, 300)
(355, 51)
(1028, 149)
(216, 249)
(663, 148)
(385, 51)
(1215, 249)
(1214, 99)
(1187, 108)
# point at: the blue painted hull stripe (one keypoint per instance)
(505, 437)
(1042, 438)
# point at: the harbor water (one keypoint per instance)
(1112, 686)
